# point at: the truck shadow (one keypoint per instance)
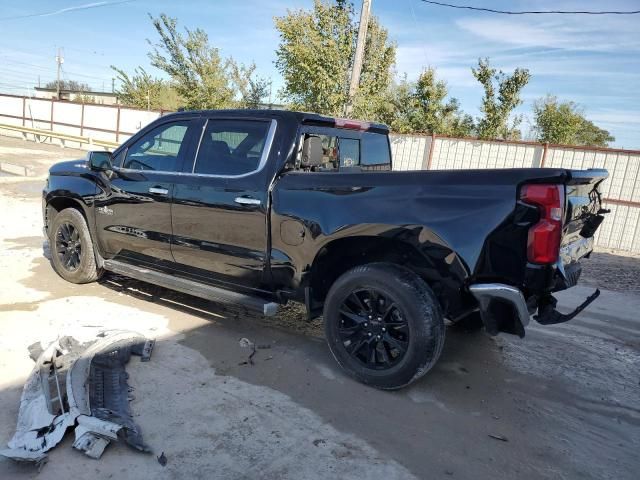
(463, 350)
(464, 355)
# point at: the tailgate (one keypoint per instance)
(583, 216)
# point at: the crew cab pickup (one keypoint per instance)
(261, 207)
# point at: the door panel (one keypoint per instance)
(132, 219)
(220, 220)
(213, 232)
(133, 214)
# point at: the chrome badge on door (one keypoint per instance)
(104, 210)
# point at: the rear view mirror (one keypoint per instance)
(99, 161)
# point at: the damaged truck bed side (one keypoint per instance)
(257, 208)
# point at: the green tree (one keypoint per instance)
(564, 122)
(316, 53)
(501, 97)
(200, 75)
(199, 78)
(423, 107)
(253, 89)
(71, 85)
(144, 91)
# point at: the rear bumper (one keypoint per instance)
(503, 308)
(490, 296)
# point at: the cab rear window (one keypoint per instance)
(344, 150)
(375, 150)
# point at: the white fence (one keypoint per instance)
(621, 191)
(100, 122)
(620, 230)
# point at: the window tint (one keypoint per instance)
(231, 147)
(158, 149)
(117, 161)
(375, 149)
(364, 151)
(337, 153)
(349, 152)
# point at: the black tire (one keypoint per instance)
(404, 303)
(72, 254)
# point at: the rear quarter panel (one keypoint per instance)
(448, 216)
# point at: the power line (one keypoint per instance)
(534, 12)
(53, 70)
(33, 65)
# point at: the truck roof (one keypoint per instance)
(298, 117)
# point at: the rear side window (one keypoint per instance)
(231, 147)
(158, 149)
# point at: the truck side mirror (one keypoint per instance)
(311, 152)
(99, 161)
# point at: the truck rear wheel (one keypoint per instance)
(384, 325)
(72, 254)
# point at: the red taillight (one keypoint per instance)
(543, 245)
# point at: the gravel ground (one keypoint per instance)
(617, 271)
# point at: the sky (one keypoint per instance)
(591, 60)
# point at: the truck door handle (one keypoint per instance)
(158, 190)
(247, 201)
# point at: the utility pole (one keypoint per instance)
(59, 62)
(357, 61)
(113, 85)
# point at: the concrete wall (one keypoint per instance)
(102, 122)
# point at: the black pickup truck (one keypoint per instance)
(260, 207)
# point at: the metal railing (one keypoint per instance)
(63, 137)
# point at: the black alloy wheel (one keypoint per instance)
(68, 246)
(73, 255)
(383, 325)
(373, 328)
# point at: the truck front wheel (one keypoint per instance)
(72, 254)
(384, 325)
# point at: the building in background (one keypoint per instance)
(82, 96)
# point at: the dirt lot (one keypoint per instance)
(565, 400)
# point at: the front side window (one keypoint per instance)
(158, 149)
(231, 147)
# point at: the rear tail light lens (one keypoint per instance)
(543, 245)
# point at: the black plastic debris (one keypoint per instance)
(109, 391)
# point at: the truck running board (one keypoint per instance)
(190, 287)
